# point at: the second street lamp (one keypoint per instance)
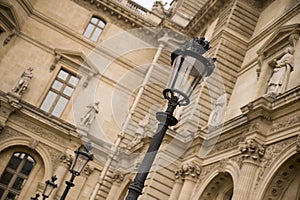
(82, 157)
(50, 186)
(189, 67)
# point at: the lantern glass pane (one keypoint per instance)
(80, 163)
(48, 189)
(185, 74)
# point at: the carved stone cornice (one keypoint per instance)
(208, 11)
(252, 150)
(118, 176)
(260, 107)
(122, 14)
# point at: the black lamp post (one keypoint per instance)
(82, 157)
(189, 68)
(50, 186)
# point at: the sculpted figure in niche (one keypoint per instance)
(216, 116)
(279, 79)
(23, 82)
(88, 117)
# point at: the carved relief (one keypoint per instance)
(271, 153)
(227, 144)
(37, 130)
(55, 155)
(285, 123)
(252, 150)
(11, 133)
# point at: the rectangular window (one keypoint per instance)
(60, 93)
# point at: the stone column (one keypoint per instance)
(190, 172)
(252, 153)
(177, 185)
(60, 172)
(117, 179)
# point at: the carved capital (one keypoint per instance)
(66, 160)
(87, 170)
(118, 176)
(252, 150)
(189, 170)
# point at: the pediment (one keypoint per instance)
(8, 17)
(283, 37)
(76, 59)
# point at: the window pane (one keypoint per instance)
(63, 75)
(14, 162)
(48, 101)
(11, 196)
(74, 80)
(57, 85)
(89, 30)
(101, 24)
(18, 183)
(94, 20)
(60, 106)
(68, 91)
(28, 166)
(6, 177)
(96, 34)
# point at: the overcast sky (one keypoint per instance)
(149, 3)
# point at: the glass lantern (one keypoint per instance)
(82, 157)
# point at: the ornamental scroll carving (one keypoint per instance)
(252, 150)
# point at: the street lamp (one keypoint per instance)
(189, 66)
(50, 186)
(82, 157)
(36, 197)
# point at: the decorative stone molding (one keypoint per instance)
(252, 150)
(118, 176)
(9, 37)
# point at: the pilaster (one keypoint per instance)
(252, 154)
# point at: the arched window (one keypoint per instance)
(15, 175)
(94, 29)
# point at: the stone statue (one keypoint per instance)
(88, 117)
(140, 131)
(216, 116)
(279, 79)
(23, 82)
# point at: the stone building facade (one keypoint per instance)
(77, 71)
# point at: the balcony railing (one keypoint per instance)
(135, 7)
